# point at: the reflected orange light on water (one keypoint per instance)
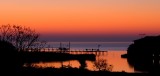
(112, 58)
(119, 64)
(73, 63)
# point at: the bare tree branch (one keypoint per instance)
(22, 38)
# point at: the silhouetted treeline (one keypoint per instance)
(144, 54)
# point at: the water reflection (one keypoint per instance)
(112, 58)
(72, 63)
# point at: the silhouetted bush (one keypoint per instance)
(102, 65)
(8, 55)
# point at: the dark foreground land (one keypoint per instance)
(74, 72)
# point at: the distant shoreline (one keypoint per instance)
(90, 45)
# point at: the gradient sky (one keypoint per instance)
(84, 20)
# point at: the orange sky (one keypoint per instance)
(84, 17)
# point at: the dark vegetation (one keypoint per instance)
(8, 57)
(144, 54)
(101, 65)
(23, 38)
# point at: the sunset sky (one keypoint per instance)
(84, 20)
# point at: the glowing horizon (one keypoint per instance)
(84, 17)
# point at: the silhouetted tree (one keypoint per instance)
(102, 65)
(21, 37)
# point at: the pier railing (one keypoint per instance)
(71, 51)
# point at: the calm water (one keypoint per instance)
(113, 53)
(112, 58)
(91, 45)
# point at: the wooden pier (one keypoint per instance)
(88, 51)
